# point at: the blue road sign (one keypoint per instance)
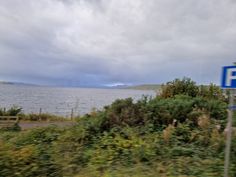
(232, 107)
(229, 77)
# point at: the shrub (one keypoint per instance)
(185, 86)
(211, 92)
(41, 117)
(13, 111)
(125, 112)
(163, 112)
(188, 87)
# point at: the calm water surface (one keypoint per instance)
(60, 101)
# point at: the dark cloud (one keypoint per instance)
(99, 42)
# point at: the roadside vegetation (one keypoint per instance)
(17, 111)
(41, 117)
(178, 133)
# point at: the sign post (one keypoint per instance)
(229, 82)
(229, 134)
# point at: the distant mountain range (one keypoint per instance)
(145, 87)
(16, 83)
(135, 87)
(138, 87)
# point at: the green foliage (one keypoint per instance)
(40, 117)
(188, 87)
(212, 91)
(14, 127)
(13, 111)
(125, 112)
(185, 86)
(177, 134)
(29, 153)
(182, 108)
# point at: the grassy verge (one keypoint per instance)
(41, 117)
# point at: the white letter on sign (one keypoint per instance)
(230, 76)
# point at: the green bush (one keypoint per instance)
(40, 117)
(176, 134)
(185, 86)
(125, 112)
(13, 111)
(188, 87)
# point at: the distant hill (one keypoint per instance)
(118, 87)
(15, 83)
(145, 87)
(8, 83)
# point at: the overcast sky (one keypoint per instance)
(104, 42)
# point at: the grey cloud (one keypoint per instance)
(96, 42)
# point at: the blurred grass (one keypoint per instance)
(41, 117)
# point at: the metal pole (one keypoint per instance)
(229, 134)
(72, 114)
